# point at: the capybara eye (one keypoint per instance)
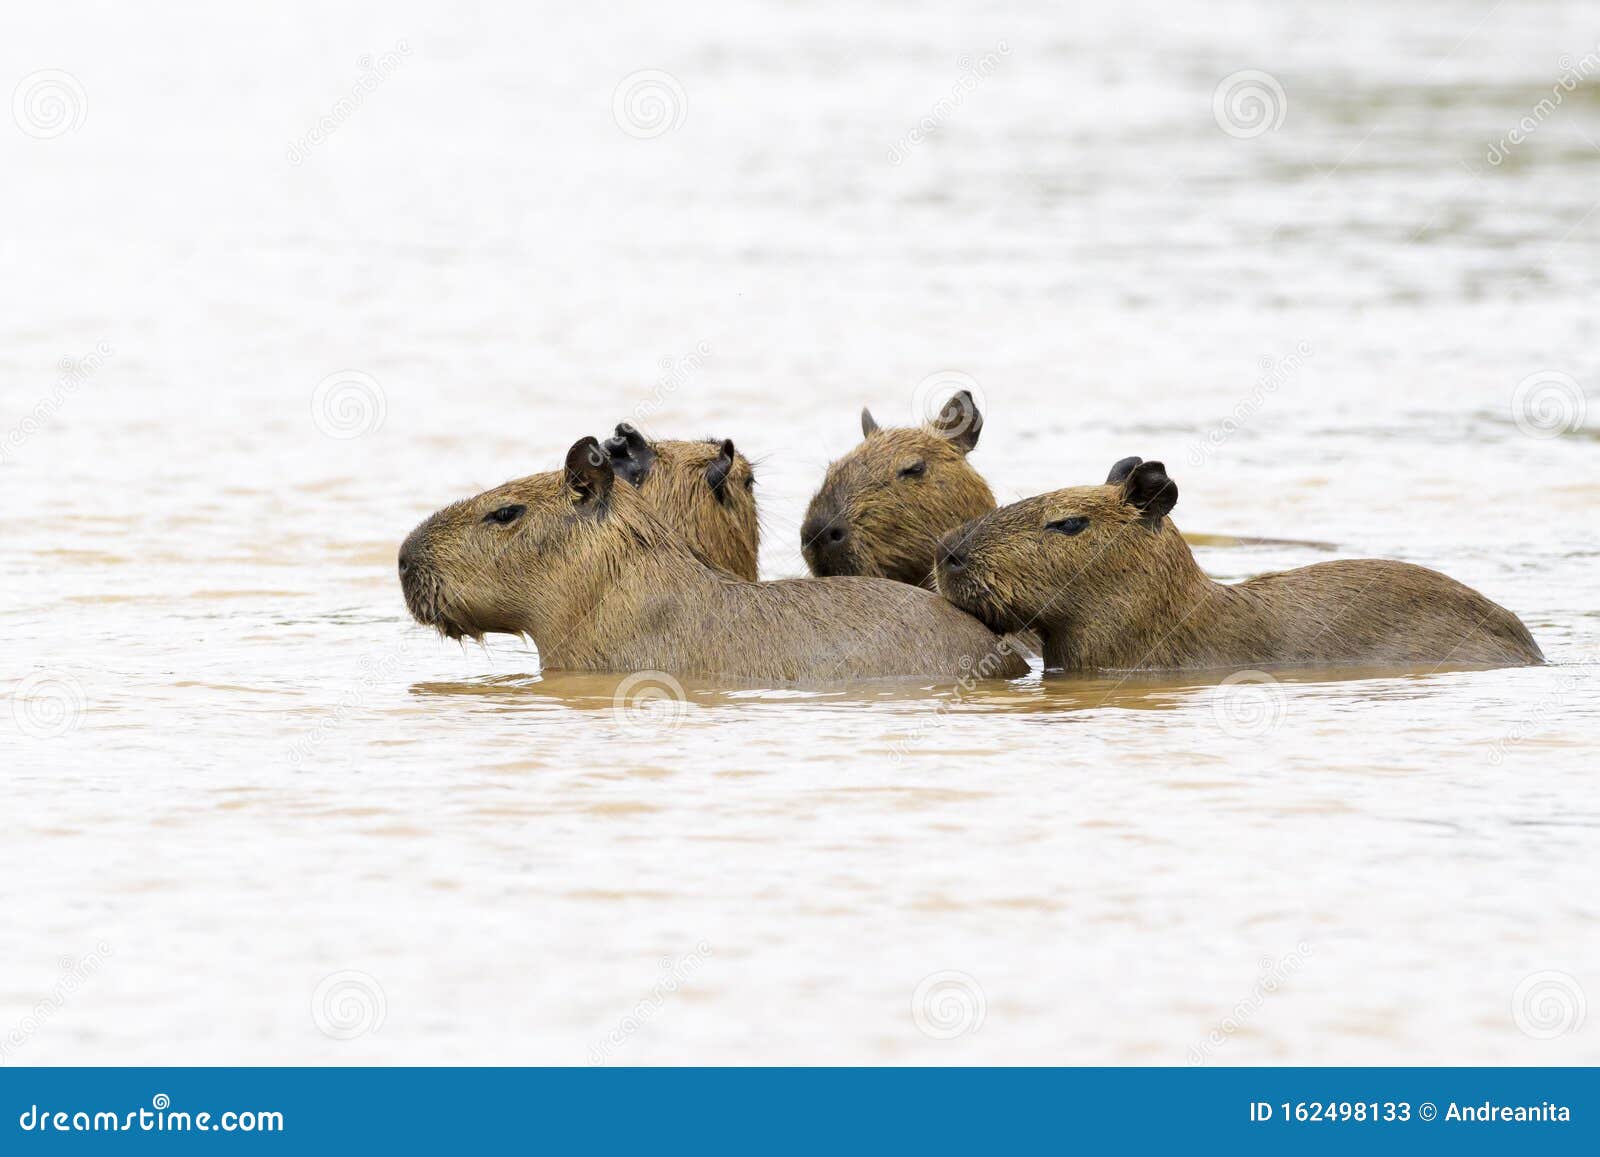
(1077, 524)
(506, 514)
(916, 470)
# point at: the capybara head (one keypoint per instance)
(703, 490)
(1101, 558)
(530, 556)
(884, 506)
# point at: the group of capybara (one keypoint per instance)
(916, 574)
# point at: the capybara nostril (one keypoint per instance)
(822, 531)
(413, 555)
(827, 543)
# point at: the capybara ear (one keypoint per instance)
(869, 424)
(589, 472)
(960, 421)
(719, 467)
(630, 453)
(1119, 472)
(1148, 488)
(627, 439)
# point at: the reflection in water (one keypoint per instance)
(1041, 692)
(231, 757)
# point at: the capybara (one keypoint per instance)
(599, 581)
(883, 507)
(703, 490)
(1109, 583)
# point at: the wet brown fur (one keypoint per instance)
(722, 531)
(599, 581)
(894, 523)
(1126, 593)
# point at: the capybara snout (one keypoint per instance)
(1044, 556)
(828, 548)
(460, 568)
(882, 507)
